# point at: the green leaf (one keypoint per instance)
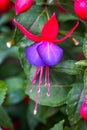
(57, 97)
(58, 126)
(74, 101)
(81, 63)
(85, 46)
(15, 89)
(43, 112)
(4, 51)
(5, 120)
(39, 2)
(85, 81)
(32, 121)
(69, 67)
(3, 90)
(82, 125)
(64, 18)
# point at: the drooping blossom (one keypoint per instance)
(83, 109)
(23, 6)
(80, 8)
(44, 53)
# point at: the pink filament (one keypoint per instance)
(34, 78)
(47, 80)
(47, 83)
(38, 91)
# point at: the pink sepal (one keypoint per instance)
(27, 33)
(68, 34)
(50, 29)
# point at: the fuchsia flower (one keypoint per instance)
(23, 5)
(83, 109)
(44, 53)
(80, 8)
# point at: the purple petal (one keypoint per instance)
(33, 56)
(50, 53)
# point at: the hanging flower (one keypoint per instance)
(23, 5)
(44, 53)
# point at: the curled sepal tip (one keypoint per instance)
(68, 34)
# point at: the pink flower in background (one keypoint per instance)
(23, 6)
(4, 5)
(83, 110)
(80, 8)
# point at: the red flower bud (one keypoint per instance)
(83, 109)
(4, 5)
(80, 8)
(23, 5)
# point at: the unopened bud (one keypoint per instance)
(80, 8)
(83, 109)
(23, 5)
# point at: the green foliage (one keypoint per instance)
(3, 90)
(5, 120)
(69, 67)
(74, 102)
(15, 89)
(68, 78)
(58, 126)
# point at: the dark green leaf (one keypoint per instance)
(43, 112)
(58, 126)
(64, 18)
(74, 100)
(3, 90)
(69, 67)
(58, 94)
(5, 120)
(15, 89)
(85, 81)
(85, 46)
(82, 125)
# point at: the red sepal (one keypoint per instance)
(50, 29)
(27, 33)
(68, 34)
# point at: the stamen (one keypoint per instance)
(36, 104)
(48, 81)
(37, 95)
(34, 78)
(45, 83)
(40, 79)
